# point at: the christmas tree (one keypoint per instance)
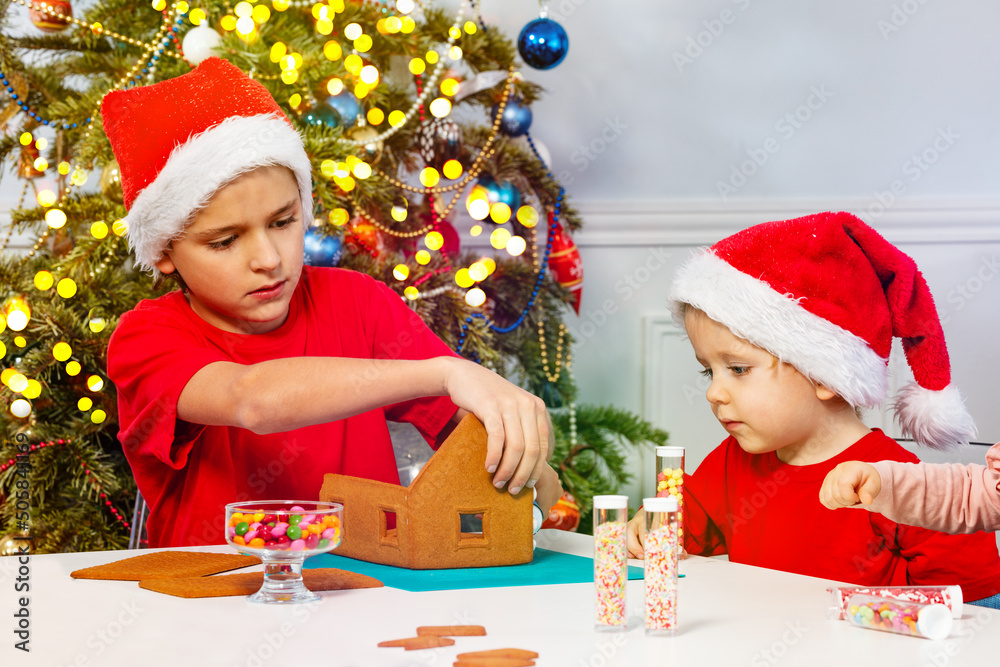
(410, 115)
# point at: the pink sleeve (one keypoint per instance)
(951, 497)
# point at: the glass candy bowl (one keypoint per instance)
(283, 533)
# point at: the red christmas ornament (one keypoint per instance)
(26, 169)
(363, 236)
(564, 515)
(422, 218)
(452, 243)
(50, 22)
(565, 262)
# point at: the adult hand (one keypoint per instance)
(850, 484)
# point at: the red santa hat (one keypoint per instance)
(827, 294)
(178, 141)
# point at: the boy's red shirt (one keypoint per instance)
(764, 512)
(188, 472)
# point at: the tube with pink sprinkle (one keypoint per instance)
(610, 561)
(661, 553)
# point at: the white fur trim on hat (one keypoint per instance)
(197, 168)
(936, 419)
(825, 353)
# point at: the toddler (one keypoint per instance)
(793, 323)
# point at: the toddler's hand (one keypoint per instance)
(850, 484)
(636, 536)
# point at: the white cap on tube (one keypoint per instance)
(934, 621)
(663, 504)
(610, 502)
(670, 451)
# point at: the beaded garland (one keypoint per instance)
(541, 269)
(153, 51)
(418, 104)
(477, 165)
(86, 472)
(10, 229)
(96, 28)
(559, 352)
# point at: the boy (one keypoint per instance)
(260, 376)
(793, 322)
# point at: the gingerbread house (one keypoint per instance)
(422, 527)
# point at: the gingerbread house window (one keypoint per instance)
(473, 528)
(387, 525)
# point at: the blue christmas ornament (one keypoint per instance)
(500, 191)
(516, 118)
(322, 115)
(346, 106)
(543, 44)
(322, 249)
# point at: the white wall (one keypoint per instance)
(675, 124)
(903, 95)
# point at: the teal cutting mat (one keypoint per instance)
(548, 567)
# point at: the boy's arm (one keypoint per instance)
(286, 394)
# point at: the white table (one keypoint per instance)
(729, 614)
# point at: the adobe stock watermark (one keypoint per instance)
(101, 639)
(964, 292)
(626, 287)
(435, 656)
(265, 475)
(611, 644)
(586, 154)
(755, 503)
(964, 631)
(899, 16)
(270, 643)
(778, 649)
(913, 169)
(786, 127)
(22, 507)
(696, 45)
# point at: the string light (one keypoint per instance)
(87, 473)
(404, 117)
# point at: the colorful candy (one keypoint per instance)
(670, 483)
(950, 596)
(291, 530)
(610, 560)
(905, 618)
(661, 555)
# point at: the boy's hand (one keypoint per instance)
(519, 435)
(849, 484)
(636, 535)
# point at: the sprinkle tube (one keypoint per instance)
(670, 483)
(932, 621)
(661, 555)
(610, 561)
(950, 596)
